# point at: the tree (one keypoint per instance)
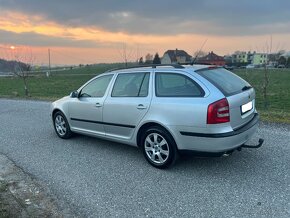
(148, 58)
(22, 65)
(266, 79)
(288, 62)
(156, 59)
(282, 60)
(140, 61)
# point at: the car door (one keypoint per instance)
(127, 104)
(86, 111)
(179, 100)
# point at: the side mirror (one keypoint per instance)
(74, 94)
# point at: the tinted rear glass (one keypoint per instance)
(176, 85)
(226, 81)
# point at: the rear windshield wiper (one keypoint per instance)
(246, 88)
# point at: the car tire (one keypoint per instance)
(159, 147)
(61, 125)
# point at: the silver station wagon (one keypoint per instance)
(163, 109)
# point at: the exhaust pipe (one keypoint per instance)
(226, 154)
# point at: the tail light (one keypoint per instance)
(218, 112)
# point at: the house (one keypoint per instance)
(175, 56)
(240, 58)
(212, 59)
(259, 59)
(286, 55)
(252, 58)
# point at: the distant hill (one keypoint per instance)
(9, 66)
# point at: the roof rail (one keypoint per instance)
(212, 67)
(178, 66)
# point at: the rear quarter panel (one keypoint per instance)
(184, 113)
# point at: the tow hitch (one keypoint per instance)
(261, 141)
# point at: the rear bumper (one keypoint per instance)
(217, 142)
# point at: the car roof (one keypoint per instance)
(160, 66)
(199, 66)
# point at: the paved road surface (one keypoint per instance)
(98, 178)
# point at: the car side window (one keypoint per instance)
(97, 87)
(131, 85)
(176, 85)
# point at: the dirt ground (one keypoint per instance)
(23, 196)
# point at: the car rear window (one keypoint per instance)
(227, 82)
(176, 85)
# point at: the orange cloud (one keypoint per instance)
(136, 44)
(20, 23)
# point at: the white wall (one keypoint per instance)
(165, 59)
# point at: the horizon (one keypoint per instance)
(112, 31)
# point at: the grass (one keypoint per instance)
(62, 82)
(278, 109)
(41, 87)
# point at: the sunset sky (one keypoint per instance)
(95, 31)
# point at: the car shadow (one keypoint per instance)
(244, 161)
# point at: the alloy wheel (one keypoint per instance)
(60, 125)
(156, 148)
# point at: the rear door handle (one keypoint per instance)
(98, 105)
(141, 106)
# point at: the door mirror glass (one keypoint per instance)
(74, 94)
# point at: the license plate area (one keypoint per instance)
(246, 107)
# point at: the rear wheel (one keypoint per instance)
(159, 147)
(61, 126)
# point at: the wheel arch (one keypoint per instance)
(145, 126)
(55, 110)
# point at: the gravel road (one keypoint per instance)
(97, 178)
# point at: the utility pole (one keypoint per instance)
(49, 61)
(137, 54)
(125, 54)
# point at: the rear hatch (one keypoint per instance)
(238, 92)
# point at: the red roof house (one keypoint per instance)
(212, 59)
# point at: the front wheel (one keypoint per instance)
(159, 147)
(61, 126)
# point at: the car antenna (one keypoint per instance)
(196, 56)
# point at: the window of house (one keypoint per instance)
(176, 85)
(97, 87)
(131, 85)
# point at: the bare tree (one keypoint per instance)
(126, 54)
(23, 62)
(265, 83)
(148, 58)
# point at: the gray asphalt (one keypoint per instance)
(97, 178)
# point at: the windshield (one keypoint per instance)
(226, 81)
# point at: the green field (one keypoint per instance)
(62, 82)
(278, 109)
